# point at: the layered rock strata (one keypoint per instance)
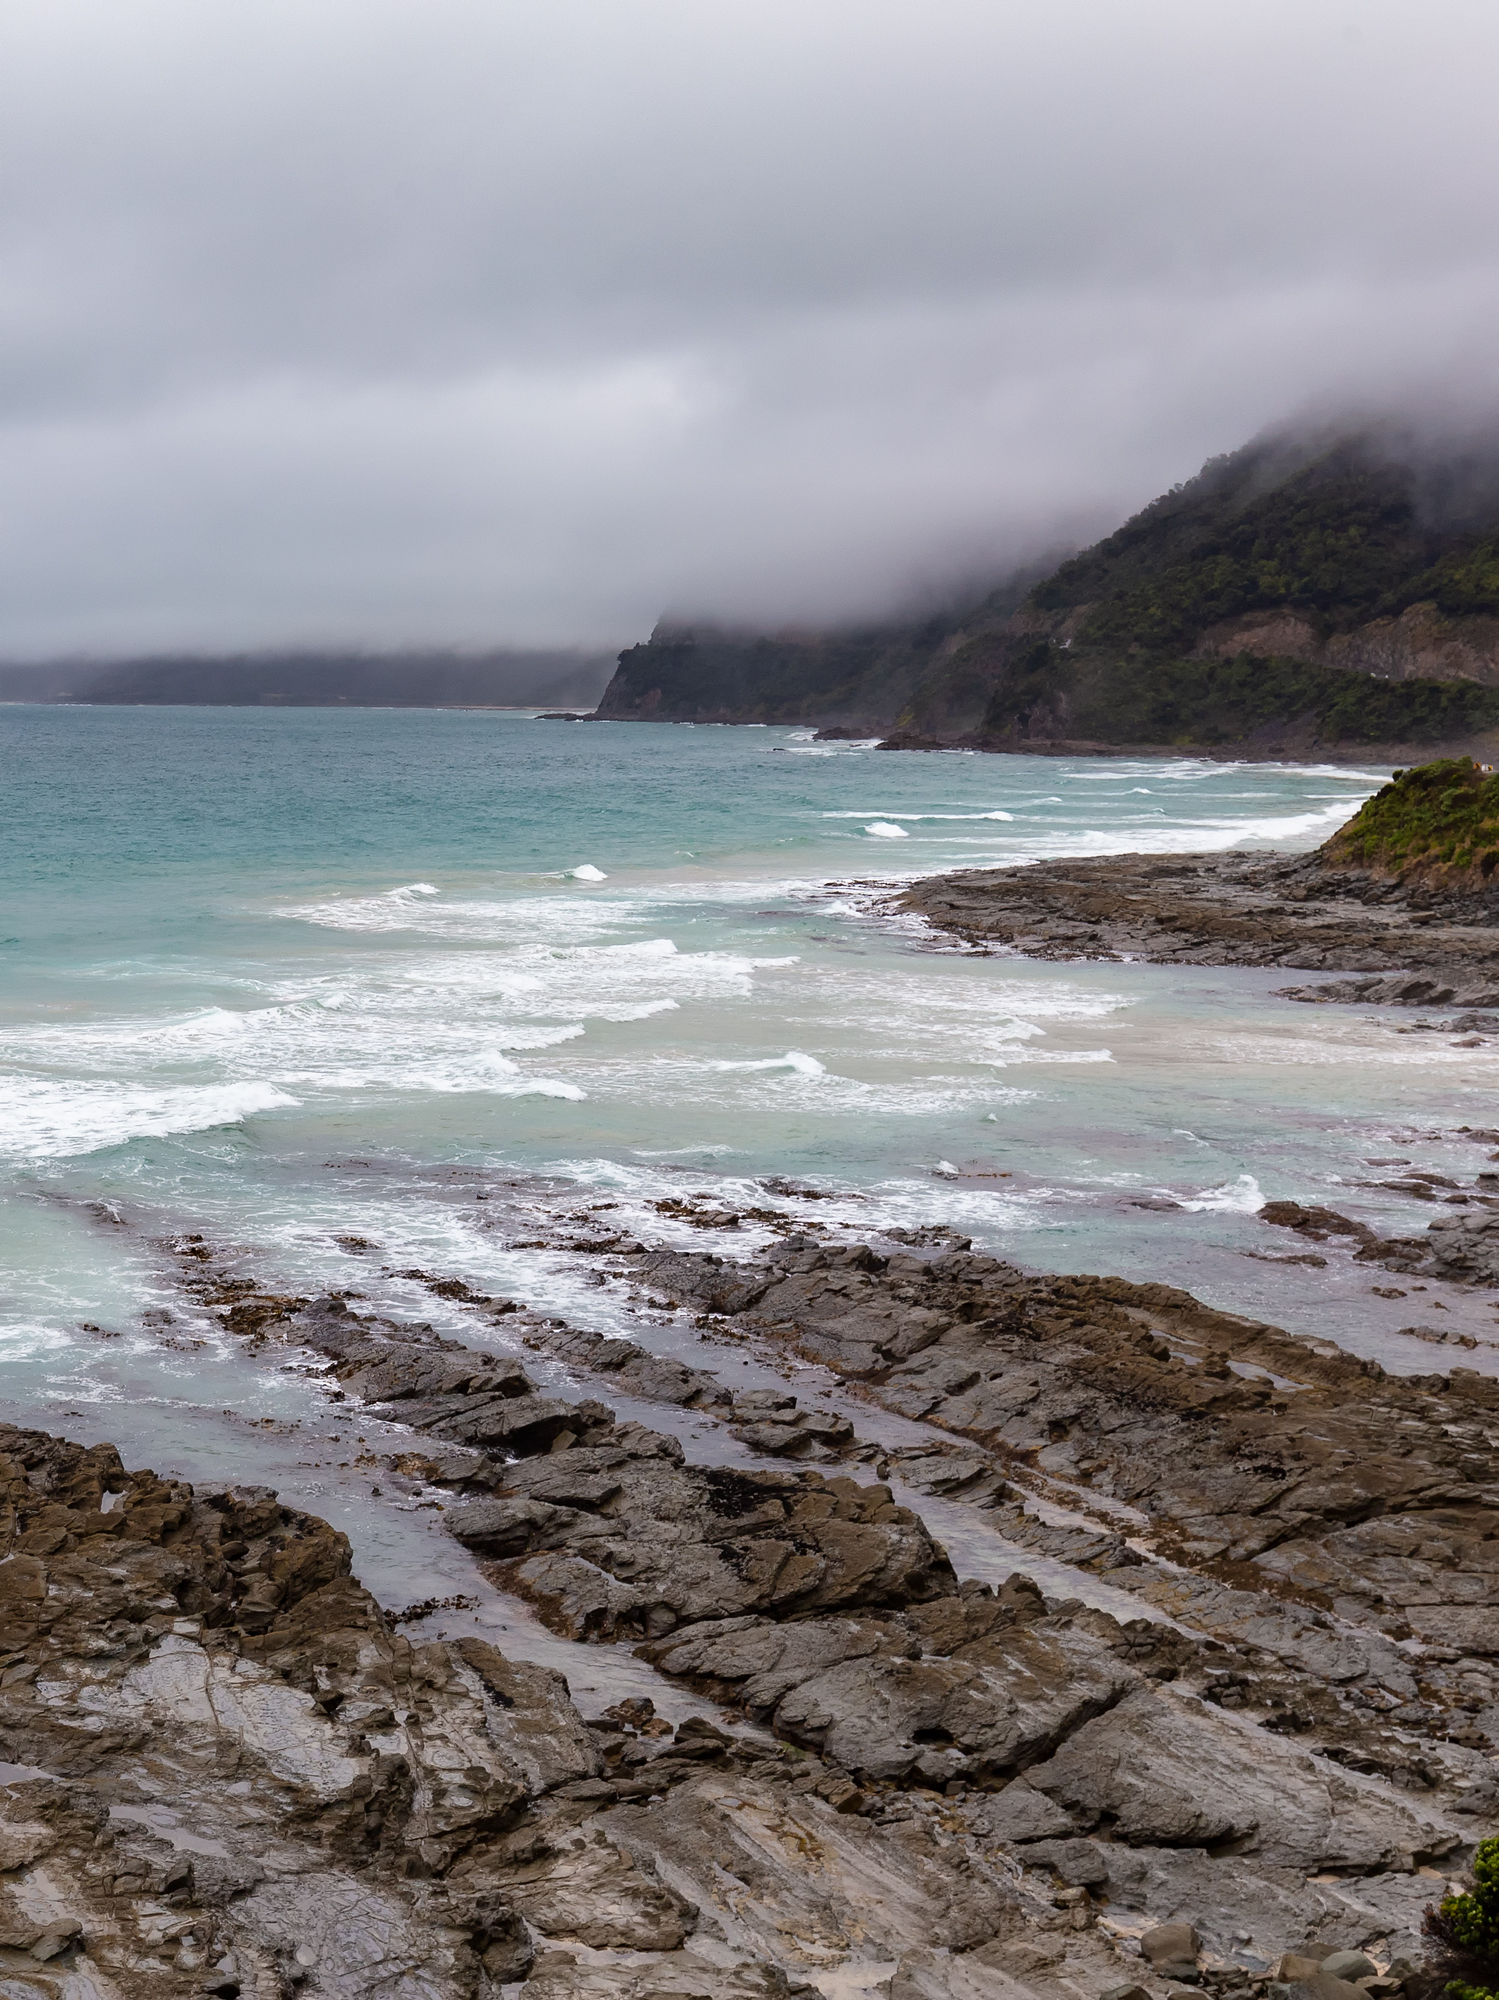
(228, 1775)
(1274, 1721)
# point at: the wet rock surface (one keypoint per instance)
(1429, 947)
(226, 1774)
(1264, 1715)
(1453, 1249)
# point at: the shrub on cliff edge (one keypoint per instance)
(1466, 1931)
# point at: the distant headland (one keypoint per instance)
(1331, 596)
(430, 677)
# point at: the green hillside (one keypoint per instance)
(708, 676)
(1045, 692)
(1339, 535)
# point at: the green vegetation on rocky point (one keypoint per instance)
(1467, 1928)
(1443, 815)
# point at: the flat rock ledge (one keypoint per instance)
(1431, 947)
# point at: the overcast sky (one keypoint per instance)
(525, 320)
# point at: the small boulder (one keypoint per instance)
(21, 1845)
(1021, 1813)
(697, 1737)
(1318, 1985)
(1350, 1965)
(1172, 1950)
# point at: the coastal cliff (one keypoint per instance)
(1338, 593)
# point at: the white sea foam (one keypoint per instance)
(904, 1201)
(427, 1025)
(642, 1010)
(383, 912)
(586, 872)
(1239, 1197)
(793, 1059)
(446, 1068)
(680, 1152)
(431, 1022)
(917, 816)
(1360, 1043)
(1294, 824)
(746, 1089)
(29, 1340)
(961, 1012)
(58, 1118)
(512, 916)
(1050, 1056)
(884, 829)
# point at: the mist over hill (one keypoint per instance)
(315, 679)
(1333, 591)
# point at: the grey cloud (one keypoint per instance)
(496, 323)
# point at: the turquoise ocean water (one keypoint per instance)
(286, 977)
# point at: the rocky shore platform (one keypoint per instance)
(1415, 943)
(1074, 1640)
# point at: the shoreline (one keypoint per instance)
(882, 1621)
(885, 736)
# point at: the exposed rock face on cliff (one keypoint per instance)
(860, 679)
(1299, 594)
